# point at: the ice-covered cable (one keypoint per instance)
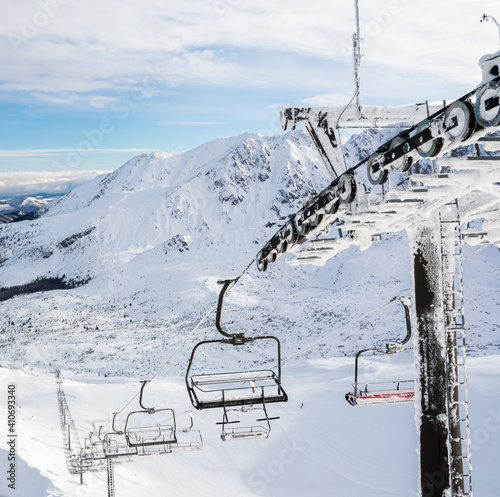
(322, 339)
(478, 250)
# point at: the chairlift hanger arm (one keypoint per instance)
(149, 409)
(118, 432)
(406, 304)
(356, 364)
(226, 284)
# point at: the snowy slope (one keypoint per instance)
(319, 445)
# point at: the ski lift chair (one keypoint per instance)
(231, 433)
(235, 389)
(396, 392)
(93, 449)
(115, 442)
(189, 439)
(150, 427)
(154, 431)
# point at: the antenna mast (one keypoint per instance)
(357, 58)
(488, 18)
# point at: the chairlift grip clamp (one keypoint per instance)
(239, 339)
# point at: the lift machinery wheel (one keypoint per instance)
(459, 121)
(376, 175)
(487, 108)
(347, 188)
(432, 147)
(403, 164)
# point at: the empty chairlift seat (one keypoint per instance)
(154, 431)
(145, 428)
(365, 394)
(230, 389)
(393, 392)
(237, 389)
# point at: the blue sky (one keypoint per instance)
(85, 85)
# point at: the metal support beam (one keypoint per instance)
(430, 355)
(111, 478)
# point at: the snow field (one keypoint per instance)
(319, 443)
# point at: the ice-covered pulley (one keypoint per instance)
(332, 207)
(261, 263)
(317, 218)
(428, 148)
(302, 227)
(459, 121)
(376, 175)
(347, 188)
(271, 257)
(287, 237)
(487, 106)
(403, 164)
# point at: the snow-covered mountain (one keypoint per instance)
(161, 203)
(145, 246)
(148, 243)
(25, 203)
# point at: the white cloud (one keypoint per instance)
(38, 152)
(328, 100)
(55, 99)
(100, 101)
(190, 123)
(95, 46)
(29, 183)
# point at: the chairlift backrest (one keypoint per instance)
(237, 388)
(150, 428)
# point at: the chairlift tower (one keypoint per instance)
(431, 204)
(144, 432)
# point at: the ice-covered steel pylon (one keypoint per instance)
(424, 204)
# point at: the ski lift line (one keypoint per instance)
(322, 339)
(188, 336)
(338, 128)
(202, 320)
(478, 250)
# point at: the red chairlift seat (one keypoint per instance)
(381, 393)
(396, 392)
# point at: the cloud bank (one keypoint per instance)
(59, 49)
(30, 183)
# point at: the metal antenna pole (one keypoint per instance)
(491, 18)
(356, 38)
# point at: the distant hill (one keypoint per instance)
(22, 207)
